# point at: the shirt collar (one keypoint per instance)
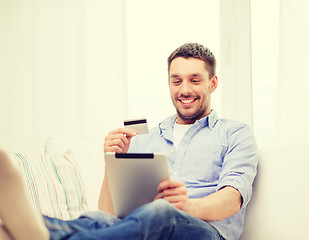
(209, 120)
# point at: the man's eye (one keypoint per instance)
(176, 82)
(196, 80)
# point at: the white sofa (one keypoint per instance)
(279, 208)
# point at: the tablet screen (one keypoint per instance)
(133, 179)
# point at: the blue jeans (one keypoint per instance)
(156, 220)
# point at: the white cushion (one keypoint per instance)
(89, 156)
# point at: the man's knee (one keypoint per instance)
(161, 208)
(4, 235)
(162, 204)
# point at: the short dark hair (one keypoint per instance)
(195, 50)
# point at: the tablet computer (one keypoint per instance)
(133, 179)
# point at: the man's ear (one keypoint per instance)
(213, 83)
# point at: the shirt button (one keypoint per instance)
(175, 173)
(172, 151)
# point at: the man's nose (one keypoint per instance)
(186, 88)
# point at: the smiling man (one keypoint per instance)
(212, 161)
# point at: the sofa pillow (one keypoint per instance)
(89, 156)
(53, 183)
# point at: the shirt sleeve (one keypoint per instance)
(240, 162)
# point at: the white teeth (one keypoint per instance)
(188, 101)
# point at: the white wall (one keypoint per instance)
(280, 49)
(265, 68)
(236, 89)
(62, 70)
(292, 99)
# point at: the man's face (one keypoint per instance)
(190, 89)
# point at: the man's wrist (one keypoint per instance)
(193, 207)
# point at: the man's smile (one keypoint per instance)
(187, 102)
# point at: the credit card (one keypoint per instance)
(138, 125)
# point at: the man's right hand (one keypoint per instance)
(118, 140)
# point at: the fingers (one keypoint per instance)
(169, 188)
(169, 183)
(125, 131)
(118, 140)
(173, 194)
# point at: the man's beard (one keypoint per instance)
(198, 114)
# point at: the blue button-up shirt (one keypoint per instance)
(212, 154)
